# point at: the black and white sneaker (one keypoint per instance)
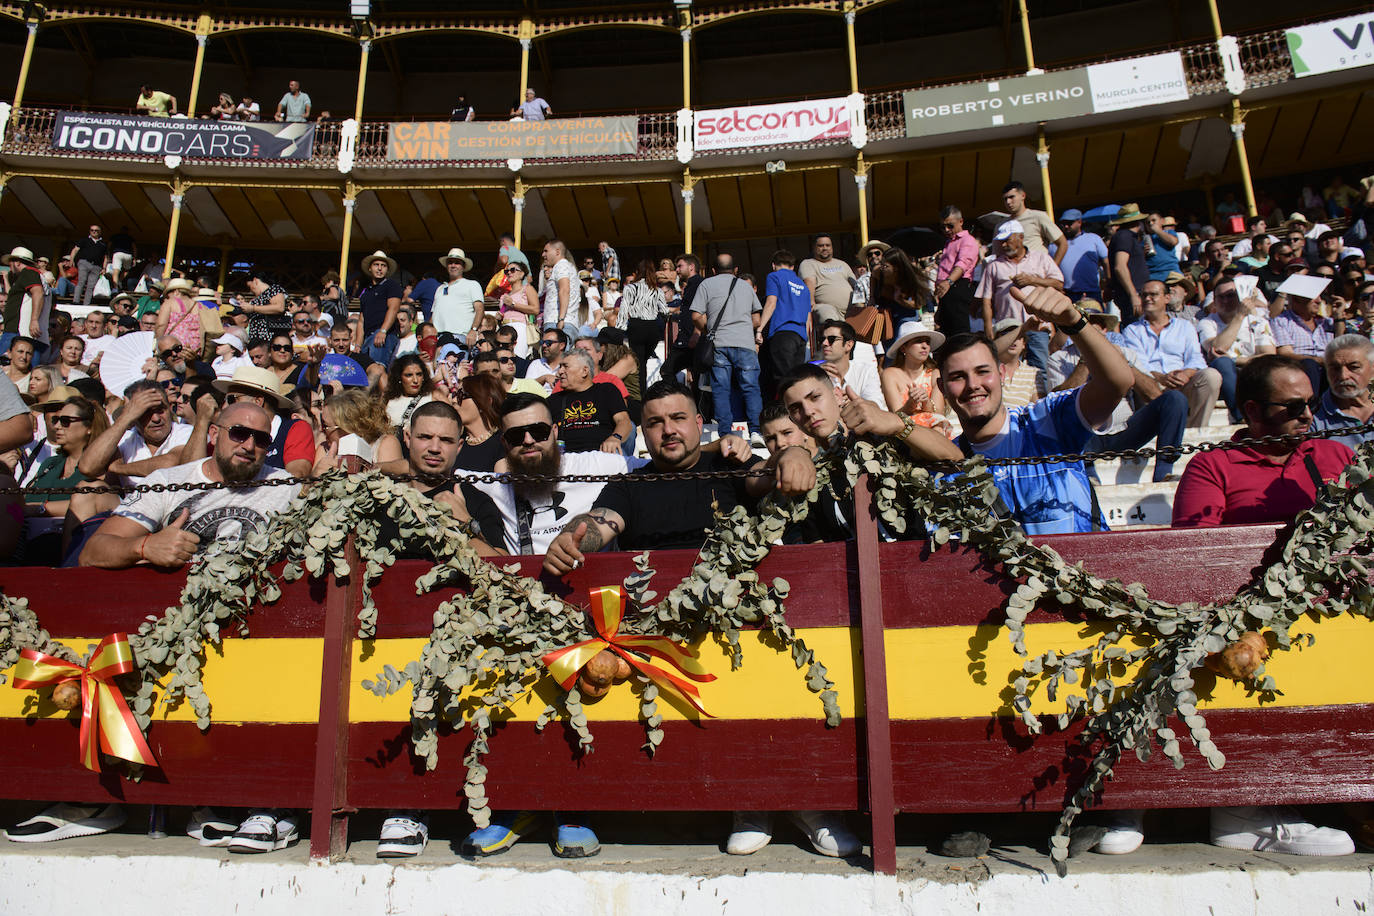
(404, 834)
(210, 828)
(264, 831)
(64, 822)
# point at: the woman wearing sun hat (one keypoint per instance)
(911, 384)
(180, 314)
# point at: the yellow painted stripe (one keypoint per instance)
(933, 672)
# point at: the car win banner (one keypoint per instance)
(83, 132)
(1325, 47)
(454, 141)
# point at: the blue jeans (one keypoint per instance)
(736, 367)
(1038, 349)
(1226, 366)
(386, 351)
(1162, 420)
(569, 327)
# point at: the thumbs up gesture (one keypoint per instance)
(565, 553)
(173, 546)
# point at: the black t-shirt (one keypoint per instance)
(664, 514)
(374, 300)
(480, 507)
(21, 282)
(480, 457)
(682, 338)
(586, 418)
(93, 250)
(122, 242)
(1134, 246)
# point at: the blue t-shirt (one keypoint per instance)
(423, 294)
(1044, 498)
(1080, 266)
(1163, 262)
(794, 302)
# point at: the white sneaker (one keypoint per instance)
(827, 833)
(1276, 830)
(1124, 833)
(64, 822)
(404, 834)
(209, 828)
(264, 831)
(752, 831)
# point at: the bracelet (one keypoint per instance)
(908, 427)
(617, 437)
(1075, 328)
(141, 545)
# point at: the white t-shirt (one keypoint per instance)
(396, 408)
(1254, 332)
(224, 515)
(133, 448)
(537, 370)
(547, 515)
(455, 305)
(408, 344)
(549, 294)
(863, 378)
(226, 366)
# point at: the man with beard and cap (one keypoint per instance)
(168, 528)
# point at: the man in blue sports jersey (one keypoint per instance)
(1051, 498)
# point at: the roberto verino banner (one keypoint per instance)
(440, 141)
(147, 136)
(1340, 44)
(1114, 86)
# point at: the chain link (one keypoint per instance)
(1168, 453)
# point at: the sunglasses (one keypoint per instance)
(171, 351)
(305, 321)
(515, 270)
(539, 432)
(282, 348)
(241, 434)
(170, 383)
(1293, 409)
(832, 339)
(64, 421)
(548, 343)
(505, 359)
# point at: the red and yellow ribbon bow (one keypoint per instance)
(103, 710)
(608, 608)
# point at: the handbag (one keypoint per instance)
(705, 356)
(870, 323)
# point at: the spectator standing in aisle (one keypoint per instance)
(561, 291)
(294, 107)
(954, 274)
(829, 279)
(1129, 271)
(1039, 230)
(122, 254)
(610, 261)
(728, 312)
(1161, 257)
(786, 318)
(641, 313)
(458, 303)
(25, 303)
(1016, 267)
(1082, 263)
(380, 301)
(91, 256)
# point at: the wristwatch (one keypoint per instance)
(908, 427)
(1076, 327)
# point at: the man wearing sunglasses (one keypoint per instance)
(544, 370)
(143, 438)
(166, 529)
(509, 365)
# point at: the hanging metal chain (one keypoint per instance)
(1167, 453)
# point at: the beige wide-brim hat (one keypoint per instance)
(874, 245)
(122, 297)
(380, 255)
(56, 398)
(912, 329)
(180, 283)
(457, 254)
(1092, 310)
(1129, 213)
(18, 253)
(255, 380)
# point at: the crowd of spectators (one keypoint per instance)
(1048, 341)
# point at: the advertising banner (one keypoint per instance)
(438, 141)
(77, 131)
(769, 125)
(1339, 44)
(1114, 86)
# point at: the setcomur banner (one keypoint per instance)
(768, 125)
(76, 131)
(440, 141)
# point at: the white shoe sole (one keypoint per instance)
(66, 832)
(242, 844)
(747, 847)
(393, 850)
(1250, 843)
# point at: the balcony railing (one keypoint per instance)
(1264, 58)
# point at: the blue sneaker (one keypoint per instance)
(505, 831)
(573, 841)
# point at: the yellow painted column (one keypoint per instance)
(350, 199)
(24, 69)
(223, 267)
(366, 45)
(849, 37)
(526, 39)
(1238, 132)
(203, 26)
(1216, 18)
(688, 184)
(1042, 156)
(686, 33)
(1026, 38)
(861, 182)
(179, 189)
(517, 201)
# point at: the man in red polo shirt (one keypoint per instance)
(1265, 483)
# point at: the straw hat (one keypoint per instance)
(380, 255)
(910, 330)
(454, 254)
(18, 253)
(874, 245)
(1129, 213)
(56, 398)
(256, 381)
(1092, 310)
(180, 283)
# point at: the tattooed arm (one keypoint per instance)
(586, 533)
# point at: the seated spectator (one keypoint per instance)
(1233, 334)
(409, 386)
(144, 437)
(354, 423)
(478, 400)
(71, 427)
(911, 384)
(21, 362)
(69, 356)
(1349, 370)
(281, 360)
(1020, 384)
(304, 336)
(553, 342)
(1160, 414)
(1301, 332)
(229, 355)
(838, 341)
(590, 415)
(780, 432)
(292, 445)
(1261, 483)
(509, 365)
(1172, 353)
(1048, 498)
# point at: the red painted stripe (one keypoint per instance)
(232, 765)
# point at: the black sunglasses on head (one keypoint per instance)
(540, 432)
(241, 434)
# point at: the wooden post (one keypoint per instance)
(1042, 156)
(1026, 39)
(849, 39)
(882, 803)
(861, 182)
(329, 809)
(350, 199)
(1242, 159)
(366, 45)
(203, 26)
(24, 69)
(179, 189)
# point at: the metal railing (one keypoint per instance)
(1264, 58)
